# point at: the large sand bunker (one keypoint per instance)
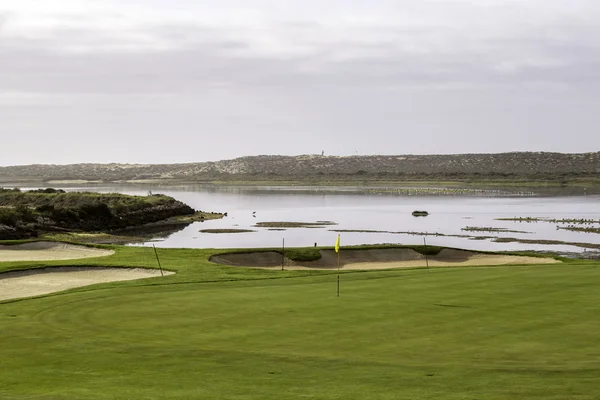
(48, 251)
(35, 282)
(377, 259)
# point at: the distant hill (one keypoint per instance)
(518, 165)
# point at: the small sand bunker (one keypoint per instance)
(255, 259)
(48, 251)
(36, 282)
(378, 259)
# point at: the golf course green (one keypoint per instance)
(223, 332)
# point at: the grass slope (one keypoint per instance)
(213, 332)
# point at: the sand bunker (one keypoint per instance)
(48, 251)
(18, 284)
(377, 259)
(257, 259)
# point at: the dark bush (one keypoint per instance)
(24, 213)
(47, 191)
(6, 190)
(98, 211)
(45, 209)
(9, 216)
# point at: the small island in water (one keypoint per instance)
(34, 213)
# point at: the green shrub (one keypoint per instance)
(8, 216)
(14, 190)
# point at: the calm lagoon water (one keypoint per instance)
(352, 210)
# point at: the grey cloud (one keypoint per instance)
(229, 90)
(36, 65)
(4, 17)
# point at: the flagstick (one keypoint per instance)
(338, 283)
(337, 250)
(158, 259)
(426, 260)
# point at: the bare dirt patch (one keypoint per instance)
(36, 282)
(369, 259)
(48, 251)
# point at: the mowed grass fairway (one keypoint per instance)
(465, 333)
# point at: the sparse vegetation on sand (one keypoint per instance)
(582, 221)
(198, 216)
(411, 233)
(543, 241)
(226, 230)
(418, 213)
(493, 238)
(283, 224)
(579, 229)
(447, 191)
(360, 231)
(490, 229)
(577, 221)
(521, 219)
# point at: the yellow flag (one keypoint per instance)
(337, 245)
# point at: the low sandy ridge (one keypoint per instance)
(369, 259)
(49, 251)
(36, 282)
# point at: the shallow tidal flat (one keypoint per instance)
(303, 216)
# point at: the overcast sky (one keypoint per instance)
(163, 81)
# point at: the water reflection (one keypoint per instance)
(355, 209)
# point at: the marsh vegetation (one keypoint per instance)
(284, 225)
(490, 229)
(217, 231)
